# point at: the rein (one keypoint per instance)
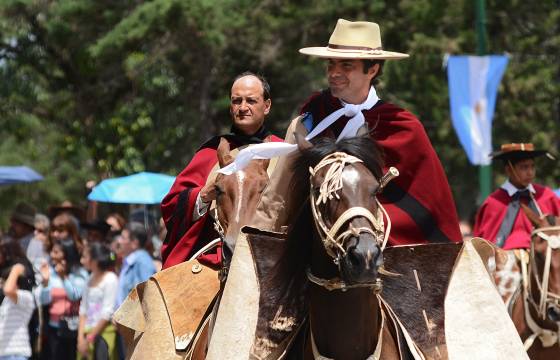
(548, 337)
(334, 240)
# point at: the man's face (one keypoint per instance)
(347, 80)
(522, 173)
(126, 245)
(248, 107)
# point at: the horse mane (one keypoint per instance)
(362, 147)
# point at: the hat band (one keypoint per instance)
(349, 48)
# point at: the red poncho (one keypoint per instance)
(419, 201)
(492, 212)
(184, 236)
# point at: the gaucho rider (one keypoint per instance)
(185, 207)
(500, 219)
(419, 201)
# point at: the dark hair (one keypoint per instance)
(70, 224)
(368, 63)
(137, 232)
(71, 253)
(362, 147)
(265, 84)
(12, 254)
(101, 254)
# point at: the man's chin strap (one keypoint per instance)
(273, 149)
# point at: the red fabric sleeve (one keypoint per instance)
(407, 147)
(490, 215)
(177, 208)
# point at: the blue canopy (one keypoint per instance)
(141, 188)
(18, 174)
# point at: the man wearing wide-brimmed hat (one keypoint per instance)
(419, 201)
(22, 224)
(499, 219)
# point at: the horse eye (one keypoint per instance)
(218, 190)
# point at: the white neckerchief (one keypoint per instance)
(273, 149)
(511, 189)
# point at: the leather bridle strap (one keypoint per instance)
(548, 337)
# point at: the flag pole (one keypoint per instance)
(484, 171)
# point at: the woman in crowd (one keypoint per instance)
(96, 309)
(117, 223)
(64, 226)
(61, 289)
(16, 302)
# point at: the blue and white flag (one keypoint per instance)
(473, 85)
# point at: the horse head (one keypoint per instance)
(237, 194)
(344, 179)
(545, 265)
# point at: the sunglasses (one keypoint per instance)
(42, 231)
(58, 228)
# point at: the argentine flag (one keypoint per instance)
(473, 85)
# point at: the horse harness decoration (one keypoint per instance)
(333, 240)
(548, 337)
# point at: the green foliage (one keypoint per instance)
(99, 88)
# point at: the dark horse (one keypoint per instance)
(535, 310)
(347, 318)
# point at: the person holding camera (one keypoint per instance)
(64, 281)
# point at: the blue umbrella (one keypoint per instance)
(557, 191)
(18, 174)
(141, 188)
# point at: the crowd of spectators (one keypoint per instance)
(62, 278)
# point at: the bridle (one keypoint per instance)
(547, 299)
(333, 238)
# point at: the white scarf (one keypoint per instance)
(273, 149)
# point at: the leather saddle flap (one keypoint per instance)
(187, 289)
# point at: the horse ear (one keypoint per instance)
(363, 130)
(533, 216)
(302, 143)
(224, 156)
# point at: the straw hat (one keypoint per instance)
(519, 151)
(354, 40)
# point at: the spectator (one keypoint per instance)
(61, 289)
(117, 223)
(16, 302)
(137, 263)
(36, 251)
(64, 226)
(96, 231)
(22, 224)
(96, 334)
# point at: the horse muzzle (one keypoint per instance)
(360, 263)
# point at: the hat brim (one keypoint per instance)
(25, 219)
(520, 155)
(328, 53)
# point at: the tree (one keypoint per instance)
(131, 85)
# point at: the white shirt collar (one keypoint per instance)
(511, 189)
